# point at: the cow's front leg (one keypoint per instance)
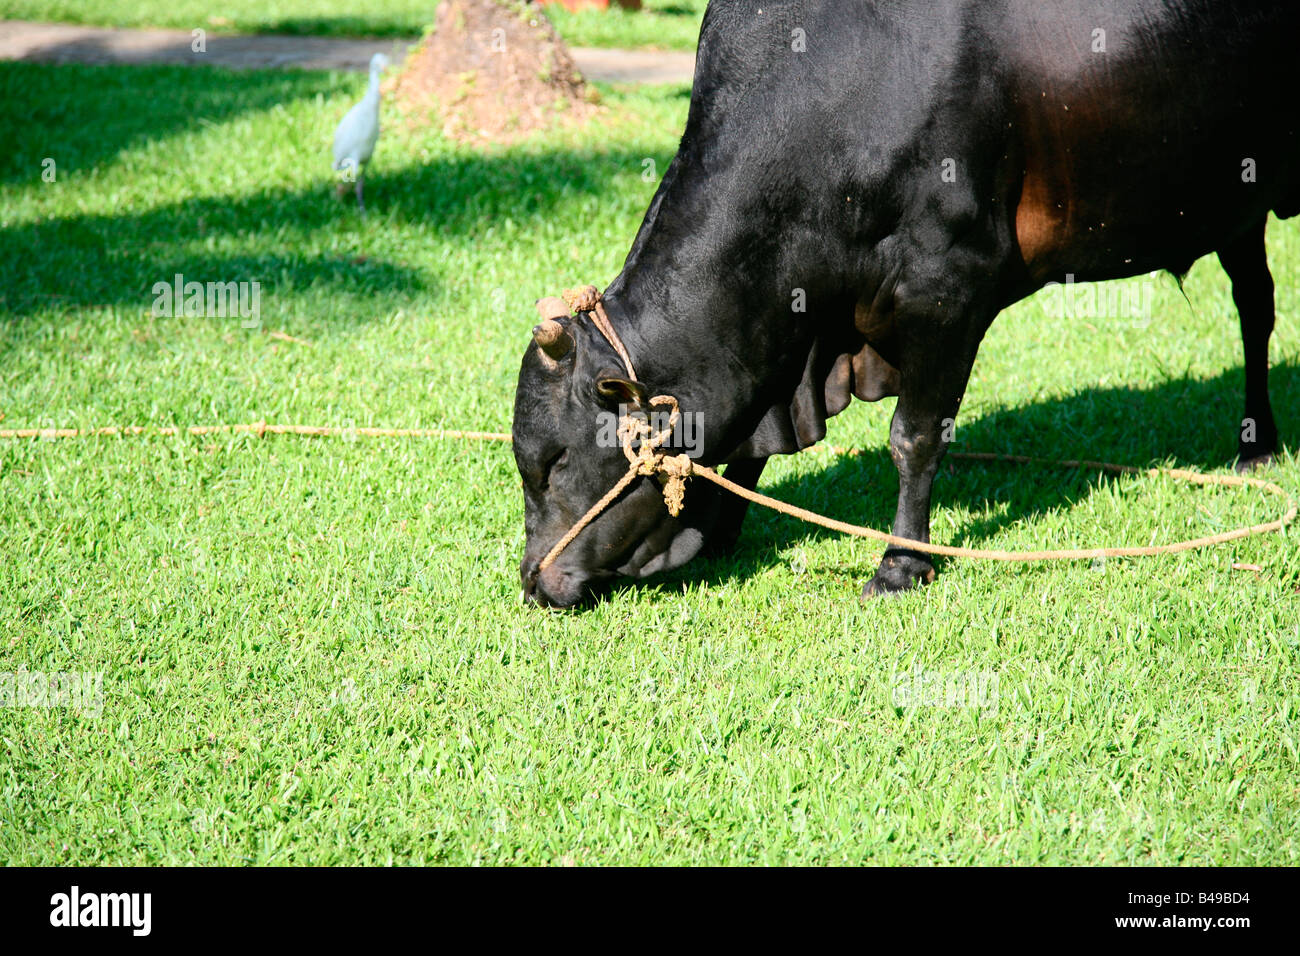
(933, 381)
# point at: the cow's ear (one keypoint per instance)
(616, 390)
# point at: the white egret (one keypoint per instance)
(354, 140)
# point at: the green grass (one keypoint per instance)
(660, 24)
(312, 650)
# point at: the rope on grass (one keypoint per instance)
(1067, 554)
(254, 428)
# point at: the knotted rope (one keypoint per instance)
(641, 446)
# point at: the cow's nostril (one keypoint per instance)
(534, 594)
(530, 583)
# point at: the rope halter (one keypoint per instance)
(642, 444)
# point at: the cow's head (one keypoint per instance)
(572, 388)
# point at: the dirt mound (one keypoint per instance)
(491, 71)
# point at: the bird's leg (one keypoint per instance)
(361, 177)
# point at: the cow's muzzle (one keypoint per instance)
(556, 587)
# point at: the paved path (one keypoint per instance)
(66, 43)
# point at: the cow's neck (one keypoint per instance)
(719, 345)
(718, 310)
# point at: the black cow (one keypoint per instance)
(905, 170)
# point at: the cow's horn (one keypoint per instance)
(552, 338)
(552, 307)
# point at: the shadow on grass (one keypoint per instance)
(1191, 422)
(99, 261)
(95, 113)
(114, 260)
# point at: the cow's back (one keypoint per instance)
(1112, 138)
(1149, 133)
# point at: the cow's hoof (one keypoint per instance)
(1245, 465)
(896, 574)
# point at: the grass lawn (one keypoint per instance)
(661, 24)
(313, 652)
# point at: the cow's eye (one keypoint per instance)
(555, 462)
